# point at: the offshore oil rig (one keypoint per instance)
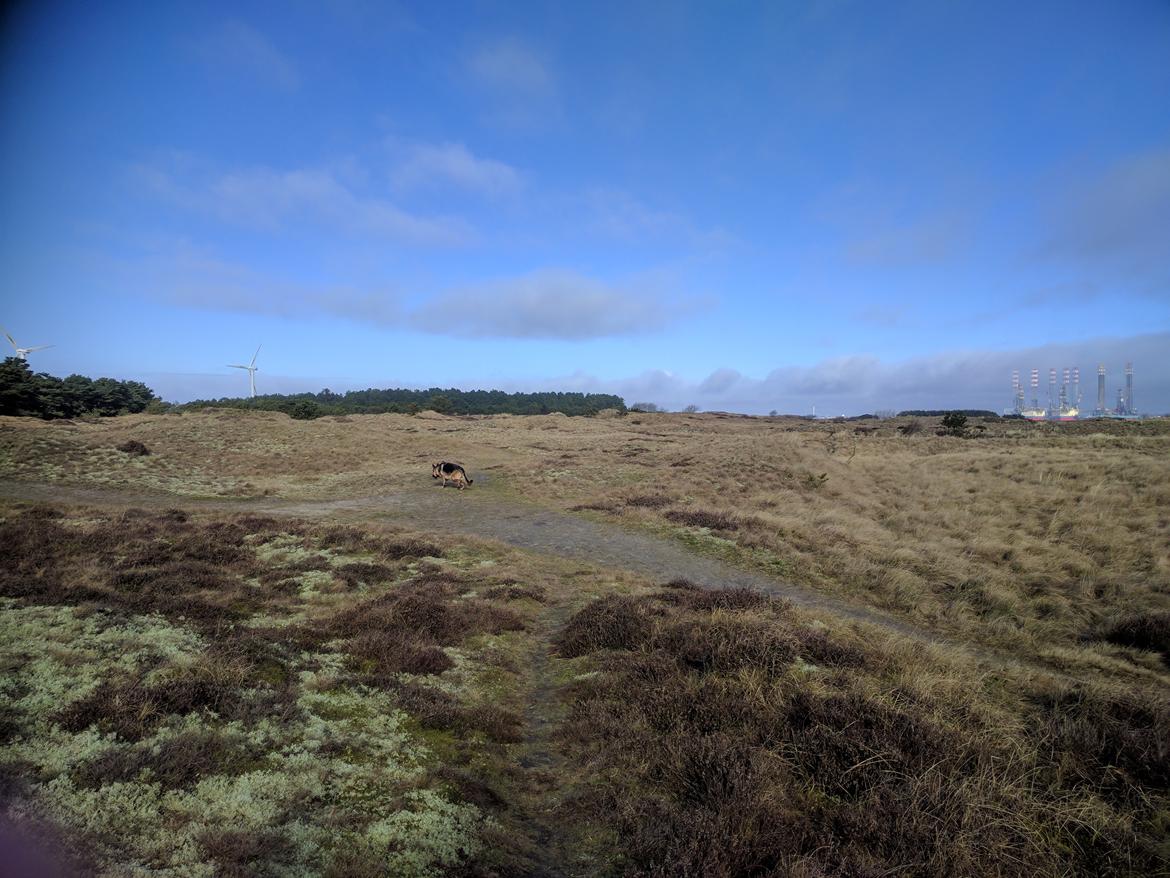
(1064, 399)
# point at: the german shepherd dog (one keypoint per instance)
(450, 472)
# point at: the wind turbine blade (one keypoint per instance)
(255, 355)
(39, 347)
(11, 339)
(234, 366)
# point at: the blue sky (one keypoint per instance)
(751, 207)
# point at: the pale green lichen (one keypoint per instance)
(431, 837)
(312, 582)
(54, 656)
(346, 756)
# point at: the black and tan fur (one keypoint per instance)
(450, 472)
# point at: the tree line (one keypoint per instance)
(40, 395)
(447, 401)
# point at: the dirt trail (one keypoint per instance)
(483, 513)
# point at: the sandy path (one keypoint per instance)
(483, 513)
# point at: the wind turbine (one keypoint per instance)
(251, 368)
(22, 353)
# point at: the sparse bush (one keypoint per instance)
(515, 591)
(953, 424)
(703, 518)
(358, 573)
(693, 597)
(434, 709)
(648, 501)
(391, 652)
(910, 428)
(727, 644)
(304, 410)
(613, 622)
(134, 448)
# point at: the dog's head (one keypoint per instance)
(436, 470)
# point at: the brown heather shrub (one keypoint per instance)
(1143, 631)
(425, 611)
(391, 652)
(308, 563)
(1093, 731)
(707, 600)
(613, 622)
(218, 543)
(514, 591)
(241, 853)
(134, 448)
(470, 788)
(708, 770)
(177, 762)
(648, 501)
(398, 547)
(15, 780)
(703, 518)
(134, 709)
(359, 573)
(727, 644)
(347, 539)
(402, 631)
(433, 709)
(196, 591)
(834, 741)
(355, 861)
(819, 648)
(30, 560)
(394, 547)
(596, 506)
(265, 526)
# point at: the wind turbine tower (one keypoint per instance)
(22, 353)
(251, 369)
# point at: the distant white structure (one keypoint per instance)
(251, 368)
(22, 353)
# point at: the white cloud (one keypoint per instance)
(427, 164)
(858, 384)
(550, 304)
(617, 214)
(271, 199)
(515, 83)
(719, 381)
(240, 47)
(509, 66)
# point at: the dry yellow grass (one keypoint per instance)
(612, 755)
(1025, 536)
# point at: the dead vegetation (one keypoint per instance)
(366, 686)
(721, 749)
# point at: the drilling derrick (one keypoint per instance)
(1129, 409)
